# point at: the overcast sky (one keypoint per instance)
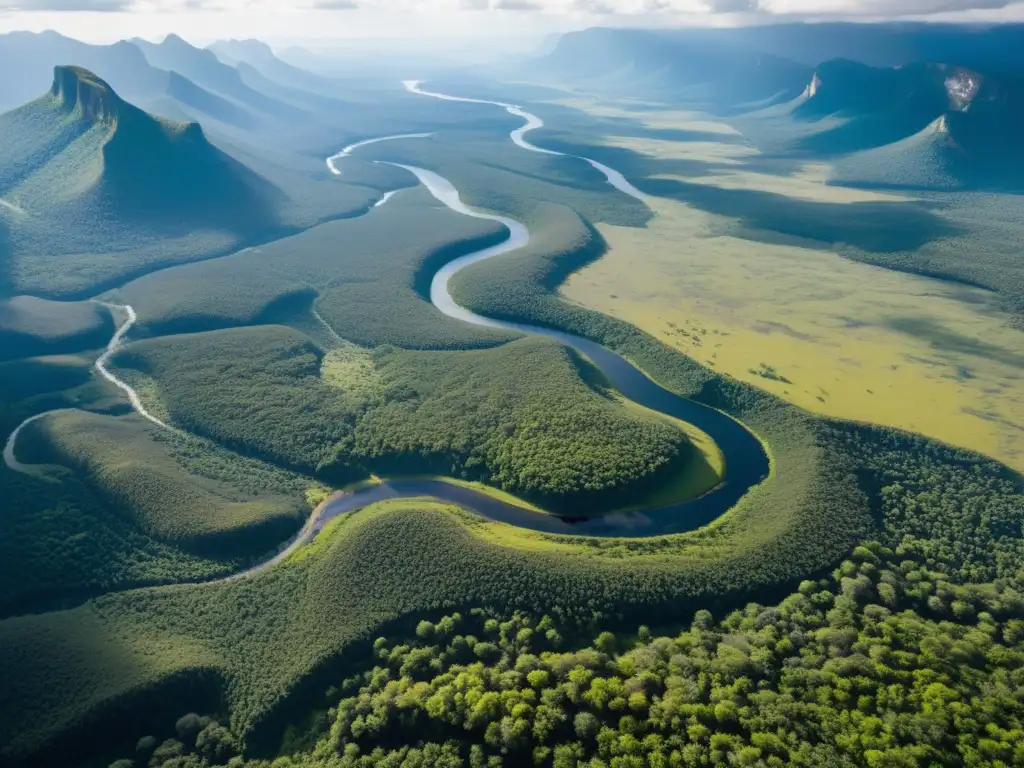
(202, 21)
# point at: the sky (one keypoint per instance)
(316, 22)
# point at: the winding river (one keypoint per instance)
(746, 461)
(745, 458)
(100, 366)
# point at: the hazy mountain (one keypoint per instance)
(701, 68)
(261, 57)
(202, 67)
(125, 68)
(33, 56)
(83, 150)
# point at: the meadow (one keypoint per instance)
(852, 340)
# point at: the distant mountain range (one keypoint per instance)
(945, 109)
(259, 93)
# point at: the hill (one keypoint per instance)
(30, 326)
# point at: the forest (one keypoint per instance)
(897, 657)
(547, 433)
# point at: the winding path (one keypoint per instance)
(100, 366)
(332, 160)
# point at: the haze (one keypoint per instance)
(492, 26)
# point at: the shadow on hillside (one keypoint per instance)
(200, 188)
(869, 226)
(6, 256)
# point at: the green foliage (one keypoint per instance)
(273, 635)
(30, 326)
(543, 432)
(133, 509)
(836, 677)
(74, 546)
(843, 672)
(133, 467)
(956, 512)
(368, 276)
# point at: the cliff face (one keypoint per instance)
(81, 92)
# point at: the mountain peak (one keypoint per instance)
(176, 40)
(81, 91)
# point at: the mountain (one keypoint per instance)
(931, 124)
(704, 69)
(261, 57)
(203, 68)
(33, 56)
(126, 69)
(876, 106)
(82, 149)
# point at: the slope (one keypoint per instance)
(261, 57)
(95, 189)
(207, 71)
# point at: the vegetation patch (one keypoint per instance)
(545, 433)
(347, 271)
(135, 471)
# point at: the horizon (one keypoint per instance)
(496, 26)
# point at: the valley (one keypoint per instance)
(592, 413)
(849, 339)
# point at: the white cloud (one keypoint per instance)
(439, 20)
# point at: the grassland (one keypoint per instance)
(854, 341)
